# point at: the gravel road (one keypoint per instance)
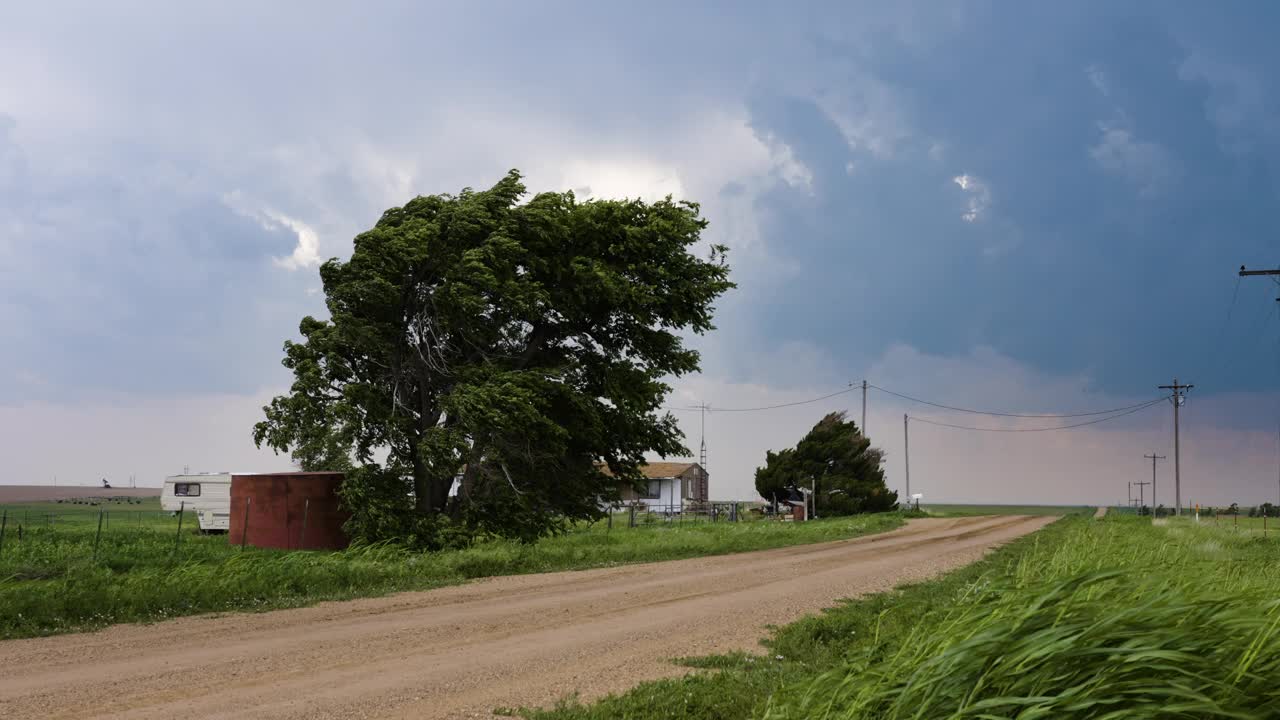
(460, 651)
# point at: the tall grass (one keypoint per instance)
(1113, 619)
(50, 582)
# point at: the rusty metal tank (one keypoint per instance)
(290, 511)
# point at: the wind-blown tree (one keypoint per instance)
(512, 345)
(836, 458)
(780, 473)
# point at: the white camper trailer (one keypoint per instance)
(207, 494)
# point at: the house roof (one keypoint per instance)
(657, 470)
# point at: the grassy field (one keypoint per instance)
(971, 510)
(51, 581)
(1109, 618)
(135, 511)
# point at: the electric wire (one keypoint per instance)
(904, 396)
(1130, 411)
(714, 409)
(1016, 415)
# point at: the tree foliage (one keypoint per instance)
(836, 458)
(514, 344)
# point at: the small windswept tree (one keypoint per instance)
(839, 461)
(499, 348)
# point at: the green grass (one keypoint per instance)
(1110, 618)
(971, 510)
(50, 581)
(144, 512)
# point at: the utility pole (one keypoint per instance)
(906, 455)
(1142, 495)
(864, 408)
(1179, 394)
(1275, 275)
(1153, 457)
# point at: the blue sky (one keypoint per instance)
(1023, 206)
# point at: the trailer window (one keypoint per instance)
(186, 489)
(654, 491)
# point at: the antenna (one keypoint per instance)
(702, 449)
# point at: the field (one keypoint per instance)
(1089, 618)
(60, 576)
(972, 510)
(13, 494)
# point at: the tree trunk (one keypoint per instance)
(421, 486)
(430, 489)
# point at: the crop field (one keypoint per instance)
(64, 575)
(1089, 618)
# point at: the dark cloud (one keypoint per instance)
(1100, 229)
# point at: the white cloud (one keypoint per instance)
(1145, 164)
(790, 169)
(623, 178)
(868, 112)
(307, 253)
(979, 196)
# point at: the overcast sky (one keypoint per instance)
(1025, 207)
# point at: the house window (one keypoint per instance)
(186, 489)
(654, 491)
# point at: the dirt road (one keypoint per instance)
(461, 651)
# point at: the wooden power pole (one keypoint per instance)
(864, 408)
(906, 455)
(1179, 394)
(1153, 457)
(1142, 495)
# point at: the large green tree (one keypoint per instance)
(836, 458)
(514, 345)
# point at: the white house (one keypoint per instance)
(671, 485)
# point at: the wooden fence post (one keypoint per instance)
(177, 540)
(97, 538)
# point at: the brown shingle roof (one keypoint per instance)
(657, 470)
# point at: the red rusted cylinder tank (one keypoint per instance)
(291, 511)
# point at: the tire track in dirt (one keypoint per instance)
(461, 651)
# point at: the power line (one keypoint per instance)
(771, 407)
(1016, 415)
(852, 387)
(1127, 411)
